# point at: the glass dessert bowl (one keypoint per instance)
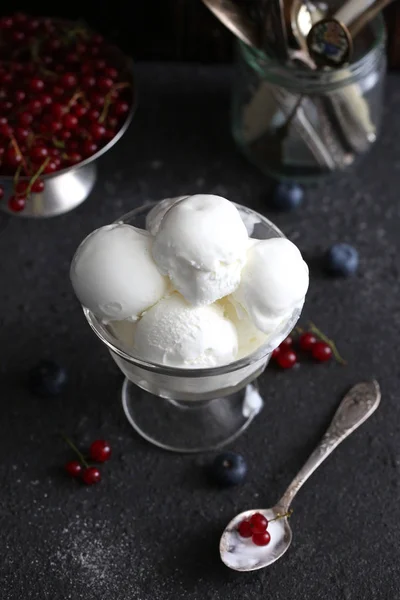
(190, 409)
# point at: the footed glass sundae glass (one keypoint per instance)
(190, 410)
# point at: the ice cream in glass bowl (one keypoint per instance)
(191, 295)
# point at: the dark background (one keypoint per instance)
(172, 30)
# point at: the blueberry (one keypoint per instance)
(341, 259)
(287, 196)
(229, 468)
(47, 378)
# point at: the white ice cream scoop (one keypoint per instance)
(114, 275)
(273, 283)
(177, 334)
(201, 244)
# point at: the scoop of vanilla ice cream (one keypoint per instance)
(249, 337)
(158, 212)
(114, 275)
(201, 244)
(273, 284)
(177, 334)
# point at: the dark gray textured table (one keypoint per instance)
(150, 530)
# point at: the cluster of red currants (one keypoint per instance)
(64, 94)
(310, 342)
(255, 528)
(99, 451)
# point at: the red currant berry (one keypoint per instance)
(72, 57)
(21, 134)
(70, 121)
(50, 167)
(89, 148)
(74, 158)
(97, 130)
(275, 353)
(111, 72)
(105, 83)
(287, 343)
(58, 91)
(46, 100)
(258, 523)
(65, 135)
(97, 99)
(73, 468)
(1, 189)
(261, 539)
(38, 186)
(16, 203)
(321, 351)
(97, 38)
(112, 122)
(80, 110)
(6, 78)
(18, 36)
(100, 451)
(93, 115)
(286, 359)
(35, 106)
(5, 130)
(6, 23)
(19, 95)
(68, 80)
(36, 84)
(25, 119)
(38, 154)
(88, 81)
(100, 64)
(121, 108)
(245, 530)
(12, 158)
(58, 110)
(91, 475)
(307, 341)
(21, 187)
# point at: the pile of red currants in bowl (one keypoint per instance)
(65, 93)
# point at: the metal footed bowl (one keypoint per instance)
(67, 188)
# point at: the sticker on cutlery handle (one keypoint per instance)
(329, 43)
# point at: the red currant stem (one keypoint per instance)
(75, 97)
(58, 143)
(17, 174)
(279, 516)
(299, 329)
(37, 174)
(108, 100)
(75, 449)
(18, 151)
(330, 343)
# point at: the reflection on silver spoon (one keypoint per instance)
(240, 553)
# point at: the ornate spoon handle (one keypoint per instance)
(358, 404)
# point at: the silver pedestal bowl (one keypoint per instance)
(69, 187)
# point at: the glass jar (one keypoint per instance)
(293, 122)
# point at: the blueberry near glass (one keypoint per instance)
(190, 341)
(342, 259)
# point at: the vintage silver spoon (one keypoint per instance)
(240, 553)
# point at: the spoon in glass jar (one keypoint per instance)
(240, 553)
